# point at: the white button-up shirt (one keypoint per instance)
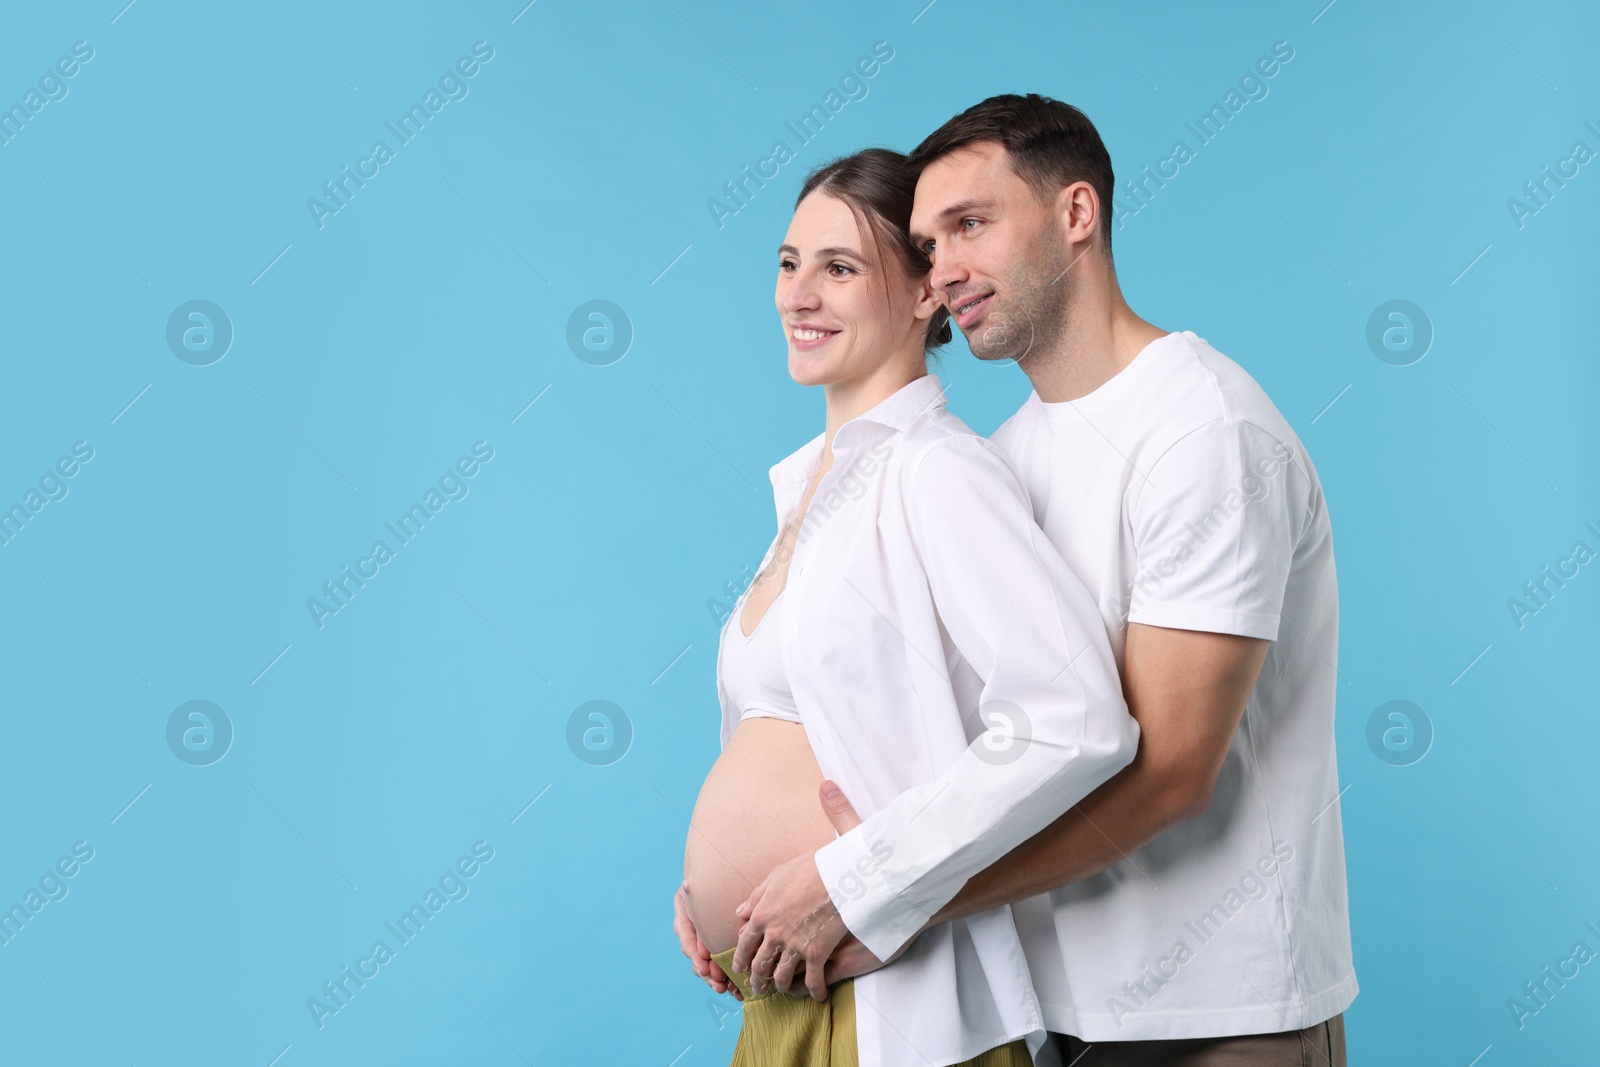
(955, 679)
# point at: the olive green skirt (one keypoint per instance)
(784, 1030)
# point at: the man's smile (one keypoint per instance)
(969, 310)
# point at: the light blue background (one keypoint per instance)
(429, 312)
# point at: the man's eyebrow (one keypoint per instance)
(960, 207)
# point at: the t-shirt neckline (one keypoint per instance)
(1119, 383)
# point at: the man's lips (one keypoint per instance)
(968, 310)
(809, 337)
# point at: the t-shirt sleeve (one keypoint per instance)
(1215, 526)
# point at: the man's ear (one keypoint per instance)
(1078, 206)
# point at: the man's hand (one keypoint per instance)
(699, 956)
(790, 922)
(851, 959)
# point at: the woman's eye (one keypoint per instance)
(785, 264)
(840, 266)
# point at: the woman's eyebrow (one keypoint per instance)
(823, 252)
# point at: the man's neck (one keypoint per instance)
(1102, 336)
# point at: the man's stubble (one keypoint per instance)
(1038, 300)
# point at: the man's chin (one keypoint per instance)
(989, 355)
(1000, 336)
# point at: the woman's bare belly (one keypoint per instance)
(757, 809)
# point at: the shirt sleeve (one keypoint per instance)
(1057, 724)
(1214, 529)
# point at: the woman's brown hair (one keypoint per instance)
(879, 186)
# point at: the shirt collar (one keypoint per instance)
(894, 413)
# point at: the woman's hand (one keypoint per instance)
(844, 956)
(790, 920)
(699, 956)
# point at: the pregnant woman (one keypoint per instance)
(908, 603)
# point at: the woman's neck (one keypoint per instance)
(850, 398)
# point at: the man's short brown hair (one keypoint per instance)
(1050, 145)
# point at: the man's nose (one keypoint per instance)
(947, 273)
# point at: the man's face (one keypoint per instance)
(999, 255)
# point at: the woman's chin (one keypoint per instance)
(807, 372)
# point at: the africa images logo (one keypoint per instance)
(805, 129)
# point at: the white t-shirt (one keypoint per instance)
(1179, 495)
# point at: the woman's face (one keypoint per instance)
(840, 322)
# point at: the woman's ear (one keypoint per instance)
(928, 301)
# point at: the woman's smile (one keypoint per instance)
(808, 336)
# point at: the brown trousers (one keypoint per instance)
(1321, 1045)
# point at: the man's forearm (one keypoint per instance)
(1188, 691)
(1129, 810)
(909, 858)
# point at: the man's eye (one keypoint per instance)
(965, 223)
(927, 248)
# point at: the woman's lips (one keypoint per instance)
(806, 338)
(973, 311)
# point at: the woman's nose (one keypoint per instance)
(799, 295)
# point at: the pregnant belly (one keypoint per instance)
(757, 809)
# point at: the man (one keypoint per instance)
(1192, 909)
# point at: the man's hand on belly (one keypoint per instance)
(852, 959)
